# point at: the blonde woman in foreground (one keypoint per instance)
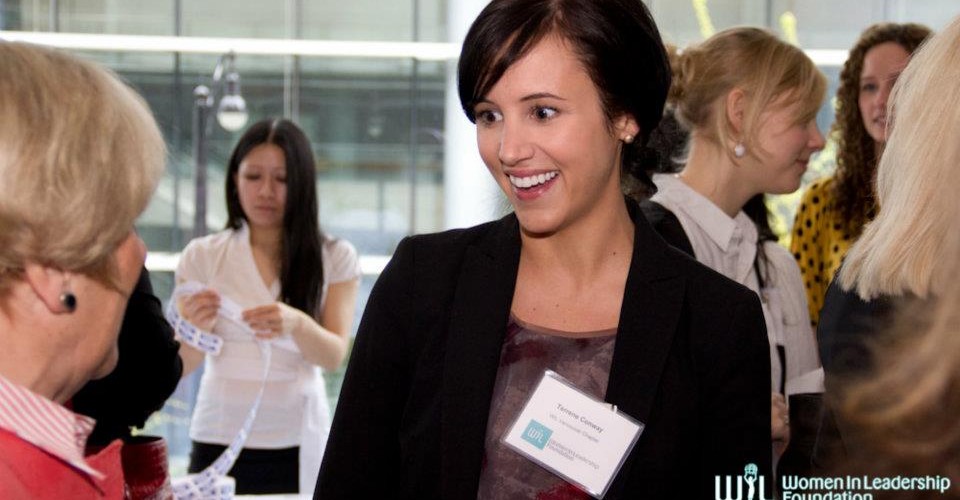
(906, 264)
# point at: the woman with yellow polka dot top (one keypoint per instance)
(834, 210)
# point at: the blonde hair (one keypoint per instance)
(754, 60)
(80, 156)
(917, 181)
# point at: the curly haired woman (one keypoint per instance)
(834, 209)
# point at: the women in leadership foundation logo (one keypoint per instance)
(732, 487)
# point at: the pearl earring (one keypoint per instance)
(628, 139)
(739, 150)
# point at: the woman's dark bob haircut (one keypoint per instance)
(616, 40)
(301, 269)
(617, 43)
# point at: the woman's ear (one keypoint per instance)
(736, 104)
(626, 127)
(50, 285)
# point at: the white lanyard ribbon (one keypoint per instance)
(212, 483)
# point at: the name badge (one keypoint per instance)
(573, 435)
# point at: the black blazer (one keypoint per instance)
(848, 325)
(691, 361)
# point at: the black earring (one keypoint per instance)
(69, 301)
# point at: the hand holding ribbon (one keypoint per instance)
(198, 302)
(200, 308)
(271, 321)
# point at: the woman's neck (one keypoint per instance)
(266, 240)
(711, 172)
(586, 248)
(29, 358)
(573, 279)
(40, 374)
(265, 243)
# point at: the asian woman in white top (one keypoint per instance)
(297, 288)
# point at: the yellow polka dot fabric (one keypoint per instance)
(819, 241)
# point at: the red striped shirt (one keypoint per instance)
(46, 425)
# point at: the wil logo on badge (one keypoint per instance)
(537, 434)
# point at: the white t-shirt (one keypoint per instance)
(224, 261)
(729, 246)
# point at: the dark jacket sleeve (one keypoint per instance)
(847, 326)
(147, 372)
(738, 395)
(362, 458)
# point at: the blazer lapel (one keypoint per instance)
(648, 319)
(652, 302)
(478, 322)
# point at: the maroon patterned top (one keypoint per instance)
(583, 358)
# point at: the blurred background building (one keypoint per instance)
(372, 83)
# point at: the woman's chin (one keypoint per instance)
(537, 225)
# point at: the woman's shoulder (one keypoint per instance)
(779, 256)
(202, 256)
(711, 287)
(822, 184)
(444, 242)
(704, 285)
(338, 248)
(340, 260)
(718, 312)
(210, 242)
(846, 322)
(437, 258)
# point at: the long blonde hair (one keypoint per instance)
(902, 250)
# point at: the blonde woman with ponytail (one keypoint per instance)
(749, 101)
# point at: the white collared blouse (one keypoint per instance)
(729, 246)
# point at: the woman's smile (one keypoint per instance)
(530, 186)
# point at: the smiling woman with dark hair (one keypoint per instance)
(462, 326)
